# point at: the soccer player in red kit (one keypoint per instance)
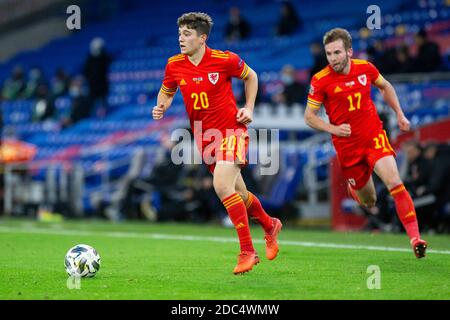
(204, 76)
(361, 144)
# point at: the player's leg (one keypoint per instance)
(225, 175)
(386, 169)
(360, 184)
(254, 208)
(271, 226)
(366, 196)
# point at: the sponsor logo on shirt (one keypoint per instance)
(350, 84)
(337, 89)
(197, 80)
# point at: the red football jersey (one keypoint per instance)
(347, 100)
(206, 88)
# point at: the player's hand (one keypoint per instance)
(343, 130)
(403, 123)
(244, 116)
(158, 111)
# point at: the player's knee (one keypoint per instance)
(393, 182)
(223, 190)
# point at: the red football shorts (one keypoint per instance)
(357, 165)
(232, 146)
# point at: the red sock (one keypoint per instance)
(257, 212)
(405, 210)
(238, 214)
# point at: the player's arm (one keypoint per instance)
(245, 114)
(239, 69)
(165, 94)
(391, 98)
(163, 102)
(313, 120)
(316, 97)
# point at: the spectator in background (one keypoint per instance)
(162, 184)
(96, 70)
(384, 58)
(375, 54)
(319, 58)
(44, 108)
(416, 173)
(81, 104)
(428, 56)
(418, 168)
(14, 86)
(404, 62)
(35, 79)
(293, 90)
(204, 201)
(436, 184)
(237, 27)
(60, 83)
(289, 21)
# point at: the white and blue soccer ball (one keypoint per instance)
(82, 261)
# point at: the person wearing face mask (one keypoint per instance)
(35, 79)
(14, 86)
(293, 91)
(81, 104)
(96, 70)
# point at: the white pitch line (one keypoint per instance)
(160, 236)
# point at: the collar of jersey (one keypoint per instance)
(205, 56)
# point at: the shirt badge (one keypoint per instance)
(362, 79)
(213, 77)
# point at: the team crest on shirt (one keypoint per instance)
(213, 77)
(362, 79)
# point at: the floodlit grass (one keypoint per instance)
(180, 261)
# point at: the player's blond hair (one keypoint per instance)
(199, 21)
(336, 34)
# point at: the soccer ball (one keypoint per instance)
(82, 261)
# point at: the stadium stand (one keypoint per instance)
(140, 41)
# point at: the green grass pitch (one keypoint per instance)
(173, 261)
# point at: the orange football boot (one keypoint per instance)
(246, 261)
(271, 239)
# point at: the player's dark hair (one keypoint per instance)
(336, 34)
(199, 21)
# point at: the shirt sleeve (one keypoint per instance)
(237, 67)
(316, 94)
(169, 85)
(374, 75)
